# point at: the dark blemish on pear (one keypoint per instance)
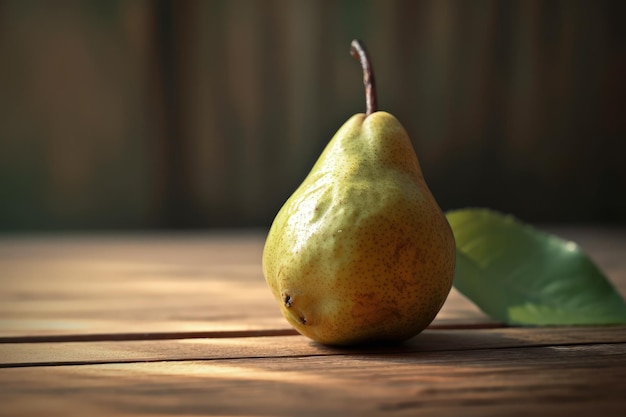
(302, 319)
(287, 300)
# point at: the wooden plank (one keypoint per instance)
(66, 285)
(42, 354)
(257, 313)
(145, 284)
(556, 381)
(205, 282)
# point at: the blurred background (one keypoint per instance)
(137, 114)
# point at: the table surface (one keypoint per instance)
(184, 324)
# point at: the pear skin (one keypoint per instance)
(361, 252)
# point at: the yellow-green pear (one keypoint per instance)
(361, 252)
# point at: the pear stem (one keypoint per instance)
(358, 51)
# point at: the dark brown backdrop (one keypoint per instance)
(170, 114)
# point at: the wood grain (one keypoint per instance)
(146, 284)
(556, 381)
(185, 325)
(203, 282)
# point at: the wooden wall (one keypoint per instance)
(196, 114)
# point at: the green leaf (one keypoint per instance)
(521, 276)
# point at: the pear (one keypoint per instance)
(361, 252)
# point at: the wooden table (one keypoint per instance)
(184, 325)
